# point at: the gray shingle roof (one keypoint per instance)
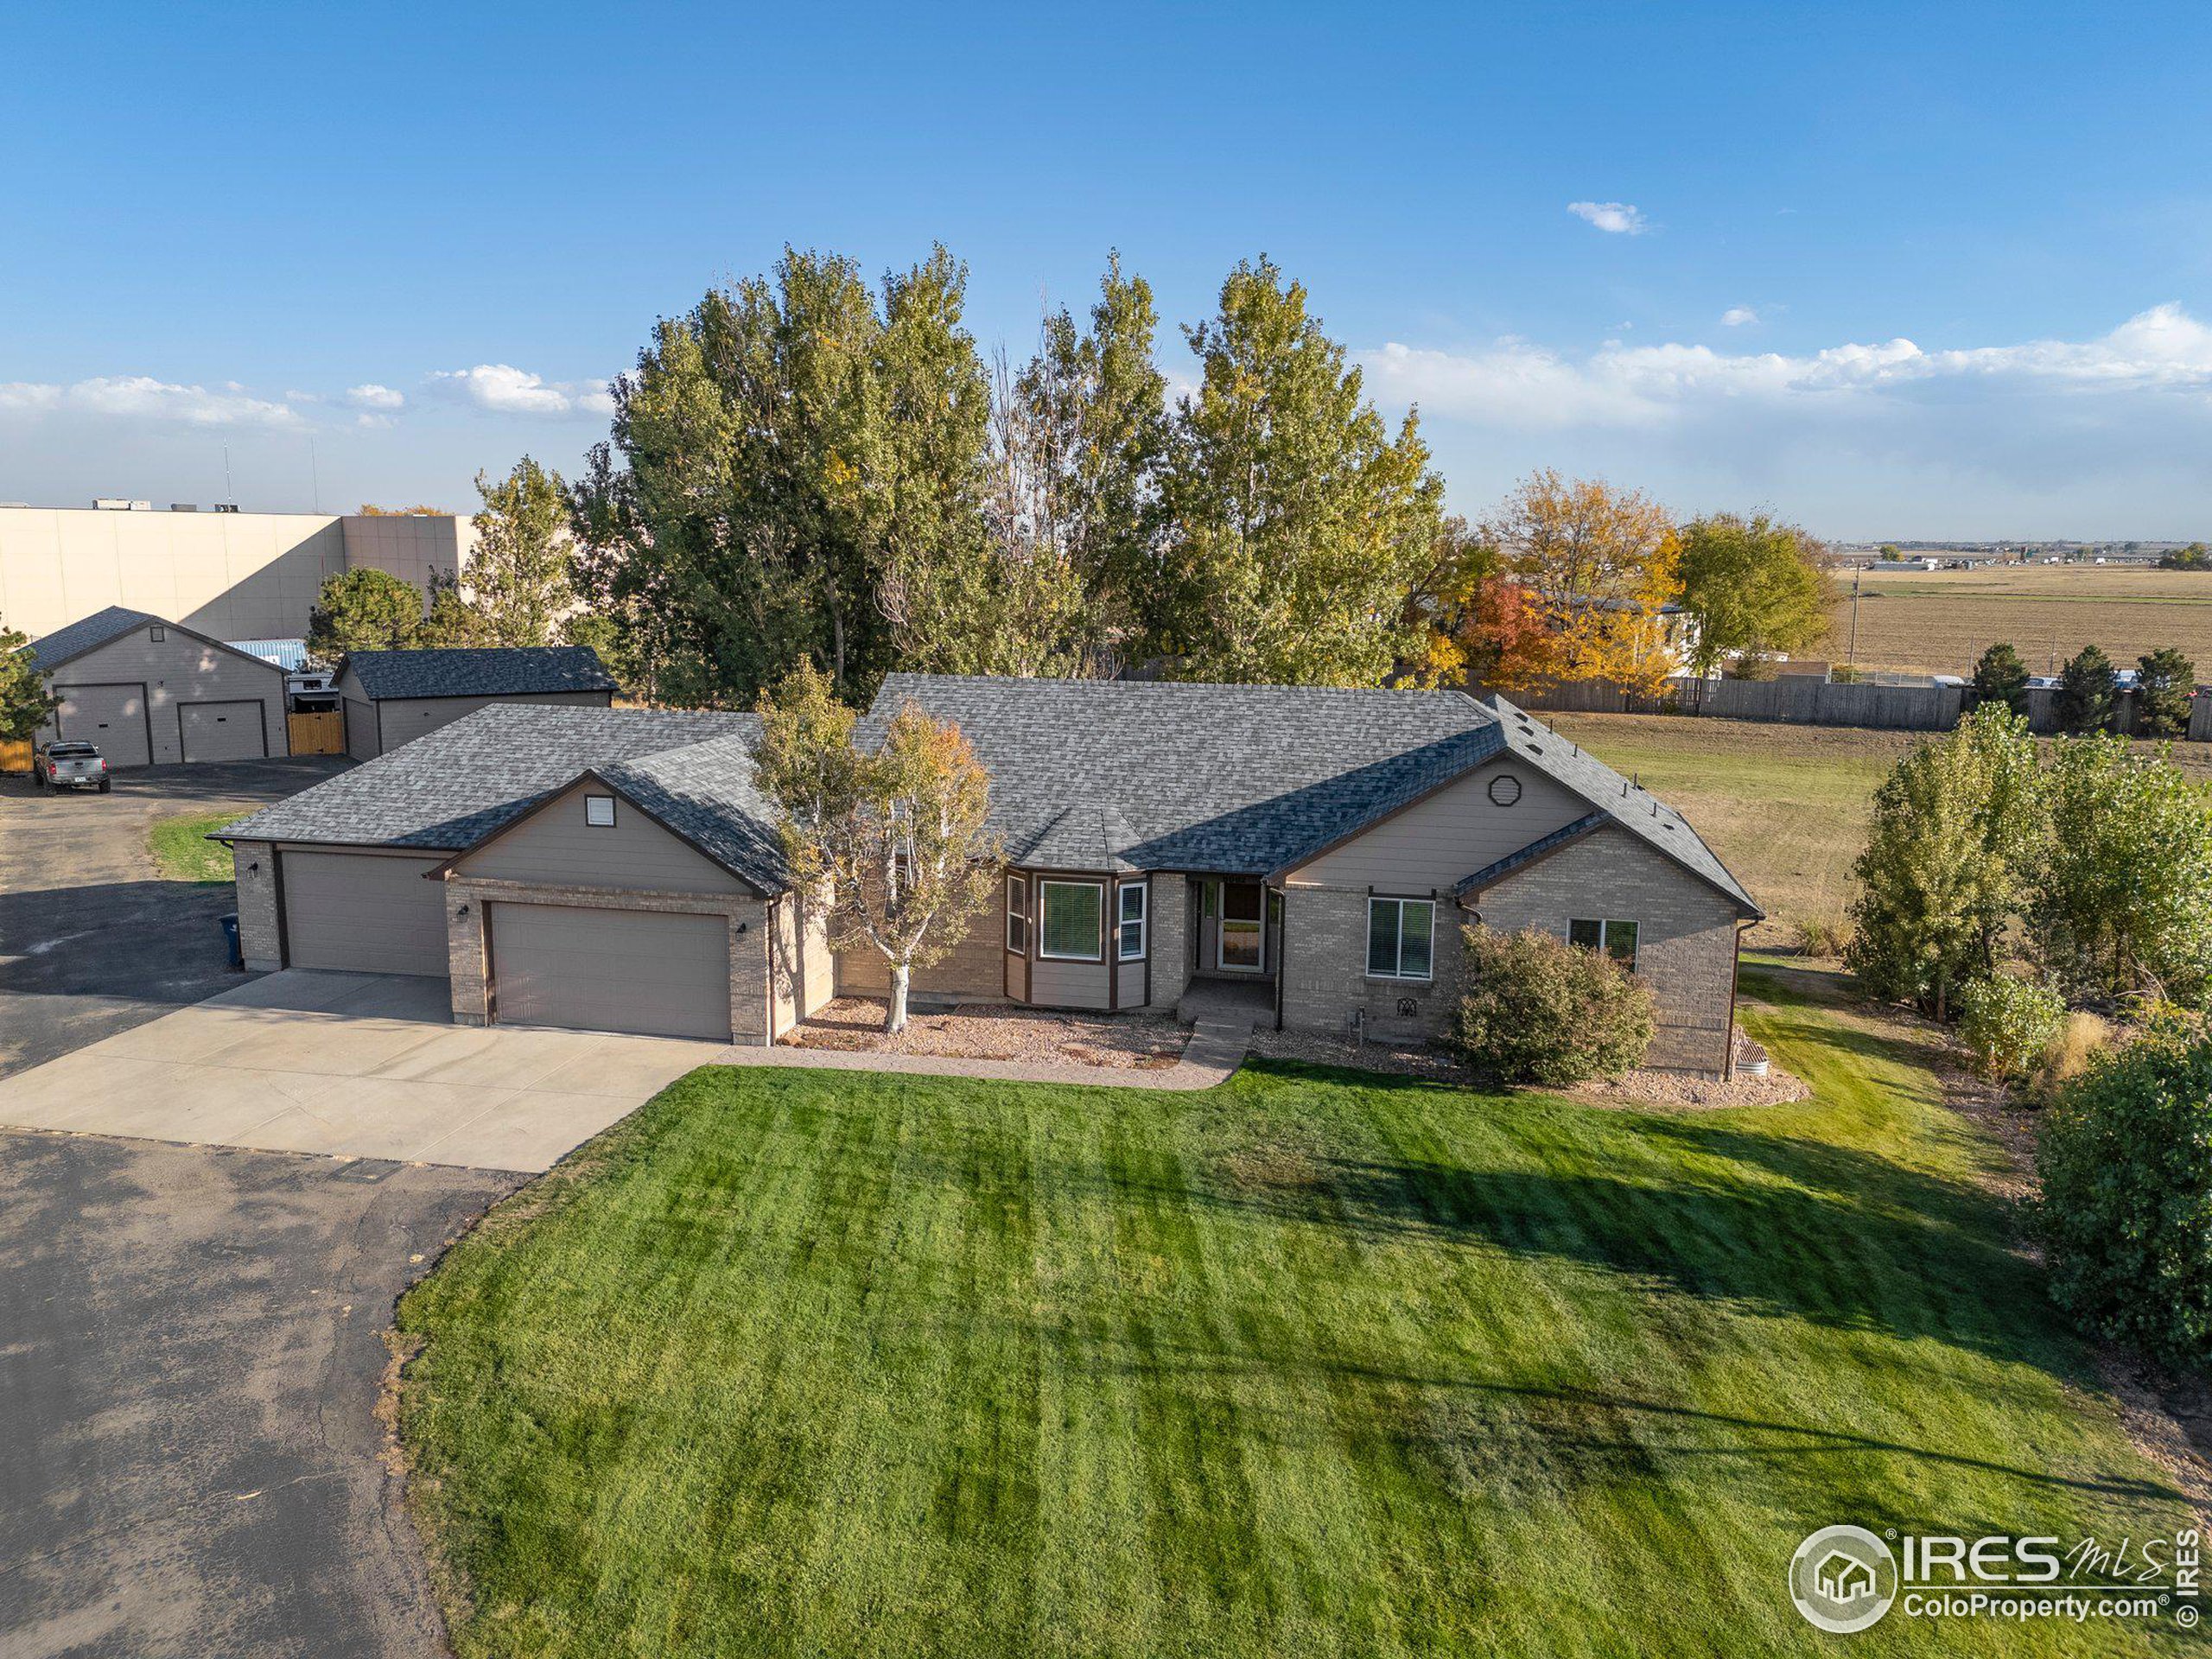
(1492, 873)
(88, 634)
(449, 788)
(1086, 774)
(1245, 779)
(475, 671)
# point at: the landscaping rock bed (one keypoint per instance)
(988, 1031)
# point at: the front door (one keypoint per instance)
(1243, 932)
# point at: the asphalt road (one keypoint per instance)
(191, 1340)
(191, 1349)
(92, 941)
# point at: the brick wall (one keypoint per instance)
(254, 864)
(1324, 967)
(1170, 945)
(1685, 933)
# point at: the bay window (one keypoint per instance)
(1071, 920)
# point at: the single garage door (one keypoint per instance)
(221, 731)
(659, 973)
(365, 914)
(361, 729)
(113, 716)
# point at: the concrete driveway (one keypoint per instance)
(93, 940)
(359, 1065)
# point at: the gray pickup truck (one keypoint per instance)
(66, 764)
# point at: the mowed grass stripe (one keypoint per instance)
(1315, 1363)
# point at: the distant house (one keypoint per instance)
(391, 697)
(1309, 853)
(151, 692)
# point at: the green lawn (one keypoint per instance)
(181, 851)
(1316, 1363)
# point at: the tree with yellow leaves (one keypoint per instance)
(1604, 563)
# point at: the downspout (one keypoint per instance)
(770, 908)
(1282, 945)
(1735, 974)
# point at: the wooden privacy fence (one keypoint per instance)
(316, 734)
(1805, 700)
(15, 754)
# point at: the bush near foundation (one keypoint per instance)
(1539, 1010)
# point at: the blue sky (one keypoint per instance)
(1925, 270)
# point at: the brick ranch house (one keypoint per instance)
(1313, 851)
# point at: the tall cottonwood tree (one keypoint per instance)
(772, 451)
(1298, 524)
(1751, 587)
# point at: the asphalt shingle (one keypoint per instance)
(473, 671)
(1086, 774)
(88, 634)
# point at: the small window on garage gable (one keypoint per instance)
(157, 634)
(598, 811)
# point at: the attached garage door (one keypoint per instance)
(113, 716)
(661, 974)
(360, 729)
(367, 914)
(221, 731)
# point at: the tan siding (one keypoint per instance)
(554, 847)
(1067, 984)
(1451, 835)
(1131, 989)
(406, 718)
(176, 670)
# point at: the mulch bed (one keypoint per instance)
(990, 1032)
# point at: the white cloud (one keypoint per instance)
(506, 390)
(1517, 383)
(373, 395)
(140, 396)
(1739, 316)
(1617, 218)
(2110, 431)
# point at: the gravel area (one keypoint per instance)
(985, 1032)
(1411, 1060)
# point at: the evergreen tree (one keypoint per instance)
(2087, 687)
(364, 609)
(2001, 677)
(2166, 686)
(25, 702)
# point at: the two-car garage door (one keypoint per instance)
(665, 974)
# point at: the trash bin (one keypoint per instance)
(231, 939)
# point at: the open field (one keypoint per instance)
(1786, 807)
(1938, 621)
(1314, 1362)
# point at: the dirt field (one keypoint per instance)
(1938, 621)
(1786, 807)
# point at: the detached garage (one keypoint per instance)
(152, 693)
(391, 697)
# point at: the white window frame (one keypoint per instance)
(592, 804)
(1017, 915)
(1044, 885)
(1122, 923)
(1604, 925)
(1400, 976)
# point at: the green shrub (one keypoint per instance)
(2008, 1023)
(2126, 1214)
(1540, 1010)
